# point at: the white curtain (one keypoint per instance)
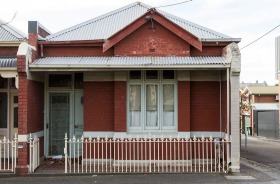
(168, 105)
(135, 105)
(151, 105)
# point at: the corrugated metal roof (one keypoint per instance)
(267, 90)
(8, 62)
(9, 33)
(265, 106)
(106, 25)
(126, 61)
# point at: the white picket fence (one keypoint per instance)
(8, 154)
(34, 153)
(146, 155)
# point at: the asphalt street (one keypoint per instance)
(262, 150)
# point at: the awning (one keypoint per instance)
(171, 62)
(8, 63)
(8, 68)
(265, 106)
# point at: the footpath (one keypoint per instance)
(260, 163)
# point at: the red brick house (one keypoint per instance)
(10, 39)
(133, 71)
(264, 111)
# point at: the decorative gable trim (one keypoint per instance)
(117, 37)
(176, 29)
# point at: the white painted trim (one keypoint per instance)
(38, 134)
(24, 49)
(183, 75)
(208, 134)
(120, 75)
(22, 138)
(9, 74)
(205, 75)
(109, 134)
(98, 134)
(141, 163)
(25, 137)
(99, 76)
(146, 163)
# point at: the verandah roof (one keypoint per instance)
(128, 62)
(8, 62)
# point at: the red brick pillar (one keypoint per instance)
(184, 106)
(22, 168)
(33, 40)
(120, 106)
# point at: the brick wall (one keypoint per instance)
(32, 39)
(264, 99)
(146, 42)
(99, 106)
(205, 107)
(23, 156)
(21, 66)
(207, 51)
(30, 113)
(35, 106)
(120, 106)
(76, 51)
(31, 101)
(22, 103)
(184, 106)
(8, 51)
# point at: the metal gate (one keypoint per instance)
(268, 124)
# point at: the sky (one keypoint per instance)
(245, 19)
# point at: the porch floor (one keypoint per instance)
(49, 166)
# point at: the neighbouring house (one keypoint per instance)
(245, 109)
(252, 84)
(264, 111)
(255, 96)
(10, 39)
(133, 72)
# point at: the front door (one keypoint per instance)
(59, 121)
(65, 116)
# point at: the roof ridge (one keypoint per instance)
(90, 21)
(12, 30)
(101, 29)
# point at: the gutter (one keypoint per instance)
(70, 42)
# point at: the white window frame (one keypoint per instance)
(143, 82)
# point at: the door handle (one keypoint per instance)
(76, 126)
